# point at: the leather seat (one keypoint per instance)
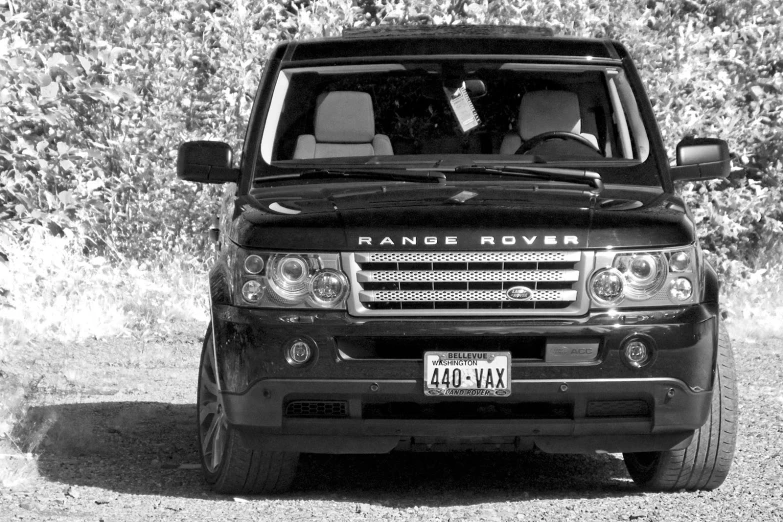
(344, 126)
(545, 111)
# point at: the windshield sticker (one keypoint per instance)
(463, 108)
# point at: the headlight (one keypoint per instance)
(290, 280)
(328, 287)
(646, 278)
(607, 286)
(288, 276)
(644, 273)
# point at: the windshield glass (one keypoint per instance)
(453, 113)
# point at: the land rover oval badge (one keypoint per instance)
(519, 293)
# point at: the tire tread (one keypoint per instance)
(705, 463)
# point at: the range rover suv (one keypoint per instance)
(460, 239)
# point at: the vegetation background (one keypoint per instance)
(99, 239)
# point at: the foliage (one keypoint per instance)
(53, 292)
(96, 96)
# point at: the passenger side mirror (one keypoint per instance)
(700, 159)
(206, 162)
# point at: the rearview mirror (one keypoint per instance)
(206, 162)
(701, 158)
(476, 88)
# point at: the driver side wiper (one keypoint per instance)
(582, 177)
(416, 177)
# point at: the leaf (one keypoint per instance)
(72, 71)
(67, 165)
(94, 184)
(113, 95)
(66, 197)
(56, 59)
(50, 91)
(85, 62)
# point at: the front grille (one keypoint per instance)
(476, 283)
(327, 409)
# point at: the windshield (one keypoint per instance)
(454, 113)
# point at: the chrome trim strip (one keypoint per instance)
(466, 276)
(462, 296)
(571, 256)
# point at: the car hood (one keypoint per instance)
(457, 217)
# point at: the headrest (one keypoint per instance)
(546, 111)
(344, 117)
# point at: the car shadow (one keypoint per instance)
(151, 448)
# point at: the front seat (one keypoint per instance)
(545, 111)
(344, 126)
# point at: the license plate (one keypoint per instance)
(467, 374)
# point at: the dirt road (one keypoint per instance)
(114, 424)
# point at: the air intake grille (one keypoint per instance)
(329, 409)
(476, 283)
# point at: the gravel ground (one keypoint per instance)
(124, 449)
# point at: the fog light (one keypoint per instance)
(253, 291)
(636, 353)
(298, 352)
(681, 289)
(254, 264)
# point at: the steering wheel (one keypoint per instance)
(555, 135)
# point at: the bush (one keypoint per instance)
(97, 95)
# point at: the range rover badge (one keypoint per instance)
(519, 293)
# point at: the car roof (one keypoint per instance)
(425, 42)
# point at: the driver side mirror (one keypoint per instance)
(206, 162)
(700, 159)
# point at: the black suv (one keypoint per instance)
(460, 239)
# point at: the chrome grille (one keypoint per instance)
(475, 283)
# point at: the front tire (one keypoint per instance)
(705, 463)
(229, 465)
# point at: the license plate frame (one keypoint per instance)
(468, 367)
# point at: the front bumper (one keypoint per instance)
(557, 407)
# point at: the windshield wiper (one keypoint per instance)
(416, 177)
(582, 177)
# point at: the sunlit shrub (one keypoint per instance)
(96, 97)
(52, 291)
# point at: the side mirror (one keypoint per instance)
(206, 162)
(701, 158)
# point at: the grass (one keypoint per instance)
(51, 291)
(754, 306)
